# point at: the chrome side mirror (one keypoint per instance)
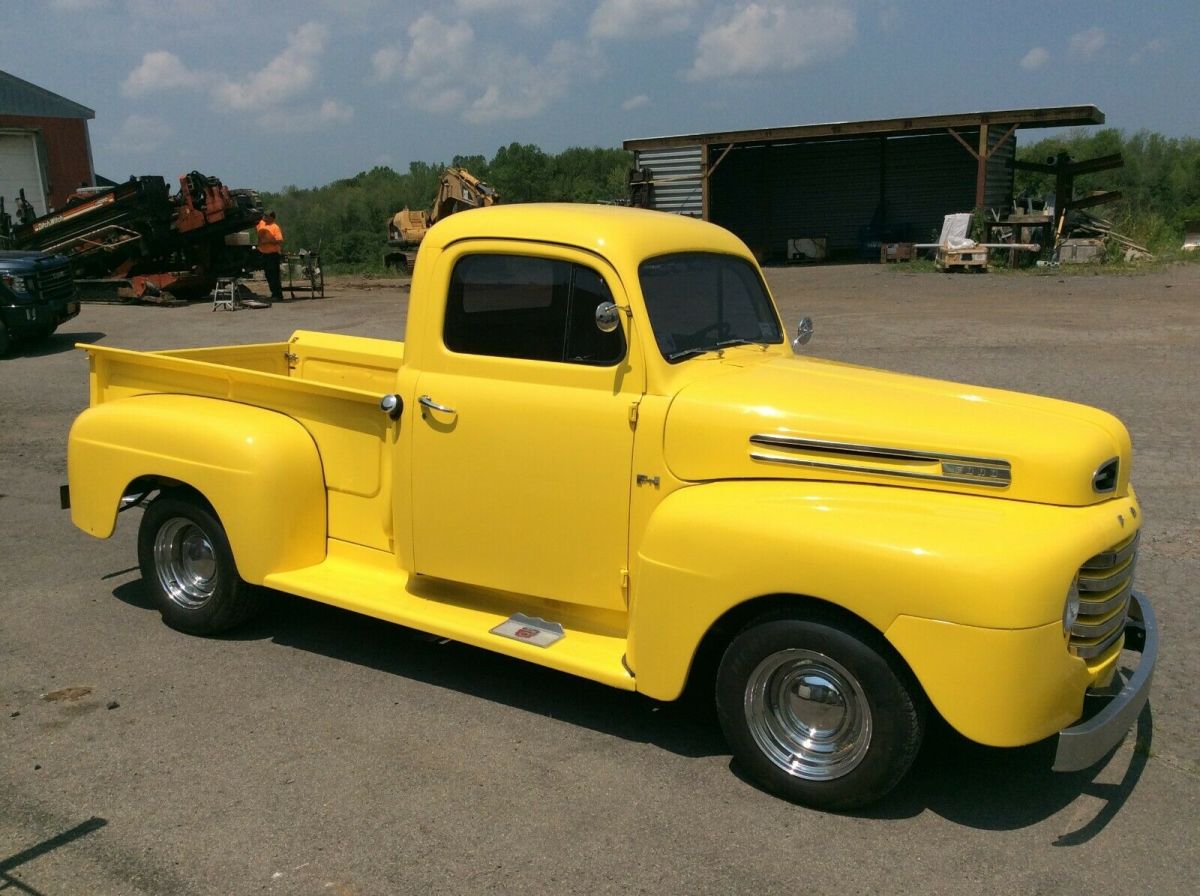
(608, 317)
(804, 333)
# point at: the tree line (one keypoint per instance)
(1159, 182)
(346, 221)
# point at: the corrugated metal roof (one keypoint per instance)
(677, 179)
(1044, 117)
(19, 97)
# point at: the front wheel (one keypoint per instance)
(817, 715)
(188, 566)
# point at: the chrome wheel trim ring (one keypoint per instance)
(186, 563)
(808, 715)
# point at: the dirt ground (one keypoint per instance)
(319, 752)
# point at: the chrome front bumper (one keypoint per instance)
(1082, 746)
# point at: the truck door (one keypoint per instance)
(523, 444)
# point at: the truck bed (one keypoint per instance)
(330, 384)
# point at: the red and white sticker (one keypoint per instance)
(529, 630)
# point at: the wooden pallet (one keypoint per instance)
(974, 259)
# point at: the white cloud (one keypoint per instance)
(447, 71)
(630, 19)
(1087, 44)
(635, 102)
(773, 36)
(438, 52)
(386, 63)
(277, 97)
(141, 135)
(290, 74)
(302, 119)
(1153, 48)
(517, 88)
(161, 70)
(1035, 59)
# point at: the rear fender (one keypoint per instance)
(259, 469)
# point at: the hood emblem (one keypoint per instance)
(849, 457)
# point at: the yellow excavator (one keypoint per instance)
(458, 191)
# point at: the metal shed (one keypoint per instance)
(847, 185)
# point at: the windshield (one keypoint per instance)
(700, 302)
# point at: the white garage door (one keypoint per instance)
(20, 169)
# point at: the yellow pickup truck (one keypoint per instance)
(598, 451)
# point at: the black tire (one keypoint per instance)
(188, 567)
(5, 340)
(817, 714)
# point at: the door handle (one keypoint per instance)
(426, 402)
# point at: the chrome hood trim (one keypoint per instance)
(947, 467)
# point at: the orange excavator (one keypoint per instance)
(458, 191)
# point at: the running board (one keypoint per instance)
(584, 641)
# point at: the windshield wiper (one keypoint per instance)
(741, 340)
(705, 349)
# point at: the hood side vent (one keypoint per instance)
(879, 460)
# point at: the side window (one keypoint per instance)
(540, 309)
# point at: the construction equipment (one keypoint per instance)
(458, 191)
(136, 240)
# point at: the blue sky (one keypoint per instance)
(265, 94)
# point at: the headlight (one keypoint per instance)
(21, 285)
(1071, 609)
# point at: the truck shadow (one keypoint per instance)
(965, 783)
(1007, 789)
(56, 344)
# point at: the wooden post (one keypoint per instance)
(981, 160)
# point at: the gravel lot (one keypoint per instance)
(319, 752)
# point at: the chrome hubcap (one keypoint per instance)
(808, 714)
(186, 563)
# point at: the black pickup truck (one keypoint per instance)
(37, 294)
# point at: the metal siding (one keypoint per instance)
(768, 195)
(677, 179)
(928, 178)
(854, 193)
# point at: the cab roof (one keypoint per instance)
(622, 235)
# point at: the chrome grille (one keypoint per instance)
(1105, 585)
(56, 283)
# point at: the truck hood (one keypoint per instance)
(804, 418)
(25, 261)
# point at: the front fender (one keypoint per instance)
(879, 553)
(259, 469)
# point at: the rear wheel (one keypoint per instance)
(816, 714)
(188, 566)
(5, 340)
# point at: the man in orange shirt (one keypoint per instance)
(270, 247)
